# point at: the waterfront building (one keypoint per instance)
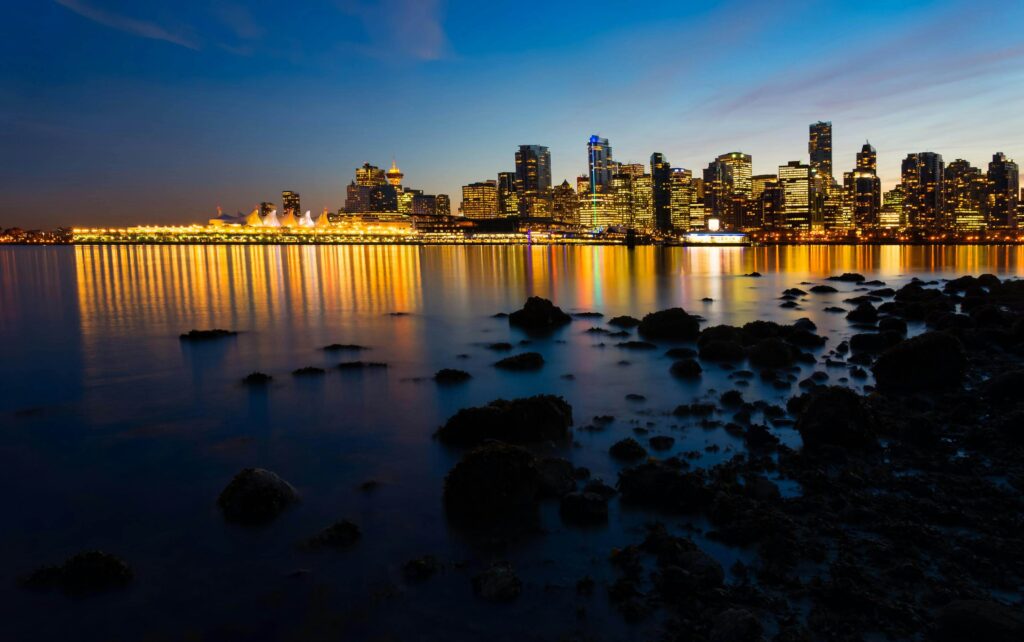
(620, 191)
(480, 200)
(965, 190)
(922, 180)
(681, 200)
(370, 176)
(533, 180)
(867, 158)
(508, 197)
(290, 202)
(892, 215)
(758, 183)
(266, 208)
(769, 204)
(661, 192)
(643, 202)
(1004, 195)
(819, 146)
(798, 195)
(444, 205)
(565, 204)
(394, 176)
(738, 171)
(600, 163)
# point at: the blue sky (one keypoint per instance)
(118, 111)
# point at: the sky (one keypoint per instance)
(117, 112)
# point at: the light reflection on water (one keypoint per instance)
(127, 435)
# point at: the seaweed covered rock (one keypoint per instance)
(539, 314)
(492, 483)
(82, 574)
(255, 496)
(835, 416)
(557, 476)
(521, 362)
(519, 421)
(673, 324)
(863, 313)
(931, 361)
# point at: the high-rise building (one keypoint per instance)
(867, 158)
(424, 205)
(893, 215)
(758, 183)
(533, 180)
(266, 208)
(769, 205)
(796, 180)
(643, 202)
(291, 203)
(370, 176)
(444, 205)
(661, 188)
(600, 163)
(820, 148)
(480, 200)
(565, 204)
(738, 171)
(620, 191)
(681, 198)
(394, 175)
(864, 193)
(965, 190)
(508, 197)
(922, 179)
(1004, 192)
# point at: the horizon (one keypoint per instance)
(179, 110)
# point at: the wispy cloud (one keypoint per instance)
(133, 26)
(401, 28)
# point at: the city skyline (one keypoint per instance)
(196, 117)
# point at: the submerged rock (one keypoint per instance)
(539, 314)
(674, 324)
(848, 277)
(519, 421)
(835, 416)
(255, 496)
(686, 369)
(451, 375)
(557, 476)
(361, 365)
(308, 371)
(500, 346)
(524, 361)
(257, 379)
(736, 625)
(341, 534)
(719, 350)
(627, 449)
(772, 353)
(624, 321)
(207, 335)
(84, 573)
(823, 289)
(343, 347)
(496, 482)
(499, 583)
(863, 313)
(637, 345)
(930, 361)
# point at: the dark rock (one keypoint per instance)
(848, 277)
(501, 346)
(627, 449)
(794, 292)
(681, 353)
(539, 314)
(753, 274)
(257, 379)
(451, 375)
(339, 535)
(657, 484)
(979, 620)
(874, 342)
(557, 476)
(718, 350)
(495, 482)
(805, 324)
(207, 335)
(421, 568)
(255, 496)
(892, 324)
(624, 322)
(731, 398)
(499, 583)
(637, 345)
(341, 347)
(686, 369)
(804, 338)
(989, 281)
(736, 625)
(587, 315)
(520, 362)
(519, 421)
(1004, 387)
(771, 353)
(361, 365)
(598, 487)
(708, 299)
(83, 574)
(673, 324)
(834, 309)
(308, 371)
(584, 508)
(789, 304)
(596, 330)
(930, 361)
(834, 416)
(661, 442)
(693, 409)
(635, 397)
(863, 313)
(823, 289)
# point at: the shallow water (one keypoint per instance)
(116, 435)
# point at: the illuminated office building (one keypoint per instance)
(769, 204)
(643, 202)
(661, 187)
(892, 215)
(290, 202)
(508, 197)
(965, 191)
(922, 180)
(533, 180)
(758, 183)
(370, 176)
(620, 191)
(867, 158)
(798, 195)
(480, 200)
(819, 146)
(1003, 201)
(266, 208)
(444, 205)
(600, 164)
(738, 171)
(565, 204)
(681, 198)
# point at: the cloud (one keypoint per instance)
(133, 26)
(403, 28)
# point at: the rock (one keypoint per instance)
(83, 574)
(207, 335)
(521, 362)
(673, 324)
(823, 289)
(686, 369)
(421, 568)
(681, 353)
(598, 487)
(736, 625)
(1004, 387)
(794, 292)
(771, 353)
(557, 476)
(835, 416)
(361, 365)
(718, 350)
(257, 379)
(308, 371)
(934, 360)
(341, 534)
(340, 347)
(892, 324)
(753, 274)
(501, 346)
(731, 398)
(661, 442)
(492, 483)
(694, 409)
(979, 620)
(627, 449)
(834, 309)
(624, 322)
(863, 313)
(637, 345)
(451, 375)
(848, 277)
(804, 338)
(707, 299)
(256, 496)
(519, 421)
(635, 397)
(584, 508)
(689, 572)
(588, 315)
(499, 583)
(662, 485)
(539, 314)
(805, 324)
(874, 342)
(989, 281)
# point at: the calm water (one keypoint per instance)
(116, 435)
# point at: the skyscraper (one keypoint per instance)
(862, 190)
(369, 176)
(661, 187)
(795, 178)
(480, 200)
(600, 163)
(394, 175)
(533, 180)
(1004, 192)
(922, 179)
(819, 146)
(965, 191)
(565, 204)
(444, 205)
(682, 197)
(867, 158)
(738, 171)
(508, 197)
(290, 202)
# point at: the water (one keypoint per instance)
(116, 435)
